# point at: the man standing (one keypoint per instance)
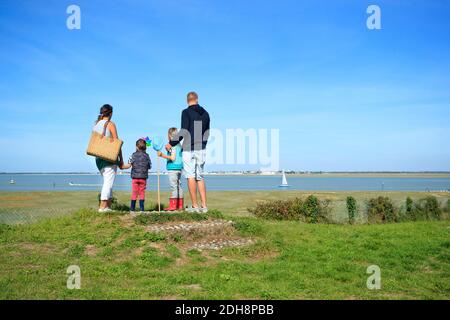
(195, 133)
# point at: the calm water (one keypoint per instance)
(123, 182)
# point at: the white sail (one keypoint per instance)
(284, 181)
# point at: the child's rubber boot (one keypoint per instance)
(180, 204)
(172, 205)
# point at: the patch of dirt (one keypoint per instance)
(193, 287)
(119, 240)
(394, 295)
(127, 220)
(207, 236)
(263, 255)
(182, 261)
(170, 297)
(37, 247)
(91, 250)
(138, 251)
(157, 245)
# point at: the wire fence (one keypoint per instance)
(33, 207)
(30, 215)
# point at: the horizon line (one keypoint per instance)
(240, 171)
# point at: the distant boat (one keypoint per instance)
(284, 183)
(12, 181)
(83, 185)
(92, 185)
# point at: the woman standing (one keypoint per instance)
(107, 169)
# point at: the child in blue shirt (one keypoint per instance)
(174, 166)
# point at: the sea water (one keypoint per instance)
(86, 182)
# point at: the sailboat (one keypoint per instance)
(284, 183)
(12, 181)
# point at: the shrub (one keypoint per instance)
(428, 209)
(381, 210)
(310, 210)
(276, 209)
(448, 206)
(410, 210)
(351, 209)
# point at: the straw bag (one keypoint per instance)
(103, 147)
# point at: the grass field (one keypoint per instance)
(21, 207)
(119, 258)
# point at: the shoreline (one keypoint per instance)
(303, 175)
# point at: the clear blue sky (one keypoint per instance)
(344, 97)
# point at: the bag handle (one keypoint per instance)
(104, 130)
(104, 127)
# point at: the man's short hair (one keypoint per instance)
(192, 96)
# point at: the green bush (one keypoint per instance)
(310, 210)
(428, 209)
(311, 207)
(276, 209)
(410, 210)
(352, 209)
(381, 210)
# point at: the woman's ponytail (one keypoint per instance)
(105, 112)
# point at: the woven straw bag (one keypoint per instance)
(103, 147)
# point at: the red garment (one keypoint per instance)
(138, 187)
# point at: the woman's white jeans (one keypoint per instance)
(109, 175)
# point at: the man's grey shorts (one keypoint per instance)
(193, 164)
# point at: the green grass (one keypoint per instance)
(290, 260)
(24, 207)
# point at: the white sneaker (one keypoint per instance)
(105, 210)
(203, 210)
(192, 210)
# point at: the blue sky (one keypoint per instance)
(344, 97)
